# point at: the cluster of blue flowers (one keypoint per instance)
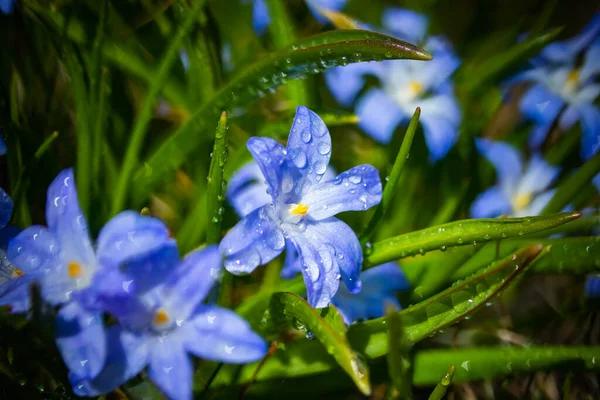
(133, 272)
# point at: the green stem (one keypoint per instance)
(215, 189)
(442, 387)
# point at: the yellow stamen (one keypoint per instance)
(160, 317)
(573, 77)
(521, 201)
(299, 209)
(17, 272)
(74, 269)
(415, 87)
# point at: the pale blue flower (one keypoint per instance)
(301, 211)
(521, 190)
(261, 18)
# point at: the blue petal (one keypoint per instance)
(6, 6)
(6, 235)
(538, 176)
(37, 253)
(405, 24)
(3, 148)
(253, 241)
(568, 118)
(328, 249)
(537, 205)
(246, 190)
(309, 145)
(590, 127)
(491, 203)
(440, 117)
(81, 340)
(592, 286)
(316, 5)
(127, 356)
(189, 283)
(378, 115)
(596, 182)
(6, 208)
(540, 104)
(270, 156)
(171, 368)
(591, 62)
(567, 50)
(218, 334)
(379, 285)
(130, 235)
(14, 291)
(357, 189)
(261, 18)
(505, 159)
(66, 221)
(291, 265)
(345, 82)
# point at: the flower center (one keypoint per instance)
(74, 269)
(160, 317)
(572, 81)
(415, 88)
(521, 201)
(298, 209)
(17, 273)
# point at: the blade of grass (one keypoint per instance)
(216, 185)
(442, 386)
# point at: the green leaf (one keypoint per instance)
(419, 321)
(572, 186)
(505, 61)
(470, 231)
(311, 55)
(580, 255)
(329, 331)
(145, 115)
(399, 358)
(489, 362)
(390, 187)
(442, 386)
(216, 184)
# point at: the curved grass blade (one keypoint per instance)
(442, 386)
(470, 231)
(329, 331)
(390, 187)
(489, 362)
(399, 357)
(216, 184)
(419, 321)
(310, 56)
(572, 186)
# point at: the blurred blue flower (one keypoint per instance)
(592, 286)
(261, 18)
(247, 191)
(62, 260)
(520, 191)
(2, 146)
(405, 85)
(160, 323)
(6, 208)
(565, 86)
(6, 6)
(301, 211)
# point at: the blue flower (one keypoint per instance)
(261, 18)
(63, 261)
(2, 147)
(164, 320)
(565, 88)
(6, 6)
(592, 286)
(520, 191)
(302, 209)
(6, 208)
(405, 85)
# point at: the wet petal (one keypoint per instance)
(127, 355)
(66, 221)
(309, 145)
(253, 241)
(379, 115)
(219, 334)
(171, 369)
(270, 156)
(189, 283)
(129, 236)
(507, 161)
(405, 24)
(491, 203)
(81, 340)
(291, 265)
(247, 190)
(6, 208)
(357, 189)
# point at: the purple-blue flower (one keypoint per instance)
(301, 211)
(404, 86)
(565, 86)
(163, 320)
(261, 18)
(7, 6)
(62, 259)
(592, 286)
(521, 190)
(2, 146)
